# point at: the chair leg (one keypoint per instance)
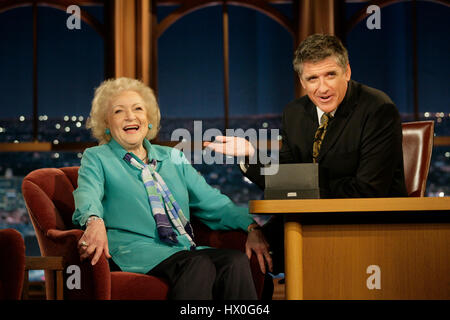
(59, 285)
(26, 285)
(268, 288)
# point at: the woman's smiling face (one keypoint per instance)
(127, 120)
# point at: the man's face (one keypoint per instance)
(325, 83)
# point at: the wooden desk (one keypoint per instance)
(333, 247)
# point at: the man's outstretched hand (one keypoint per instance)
(231, 146)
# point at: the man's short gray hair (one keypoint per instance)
(317, 47)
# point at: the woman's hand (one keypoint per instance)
(257, 243)
(231, 146)
(93, 242)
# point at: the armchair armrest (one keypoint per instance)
(65, 237)
(95, 280)
(62, 234)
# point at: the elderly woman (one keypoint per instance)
(135, 200)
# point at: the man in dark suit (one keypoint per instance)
(351, 130)
(361, 153)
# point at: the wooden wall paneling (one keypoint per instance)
(312, 16)
(125, 38)
(226, 64)
(143, 38)
(153, 46)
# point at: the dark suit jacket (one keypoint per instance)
(361, 154)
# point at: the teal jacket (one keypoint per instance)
(112, 189)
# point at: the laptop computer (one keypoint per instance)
(293, 181)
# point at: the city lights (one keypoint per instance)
(60, 130)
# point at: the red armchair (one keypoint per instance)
(50, 204)
(417, 148)
(12, 266)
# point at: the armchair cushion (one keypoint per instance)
(135, 286)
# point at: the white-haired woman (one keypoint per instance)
(135, 200)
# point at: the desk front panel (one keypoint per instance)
(376, 261)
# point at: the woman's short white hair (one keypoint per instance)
(109, 89)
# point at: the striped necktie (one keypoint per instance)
(320, 134)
